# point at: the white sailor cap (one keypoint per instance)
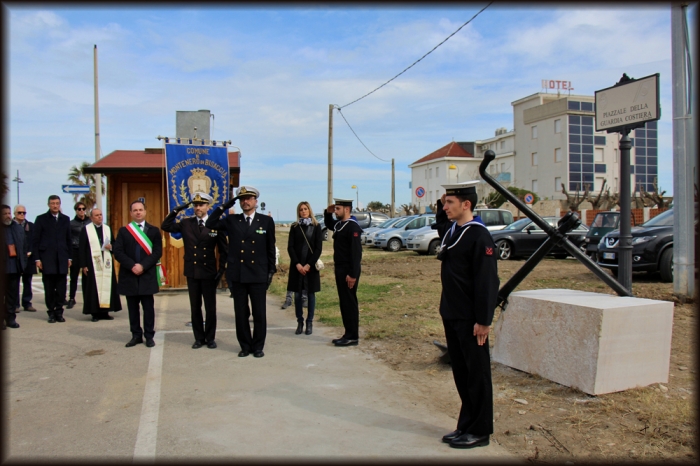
(343, 202)
(247, 191)
(202, 198)
(467, 187)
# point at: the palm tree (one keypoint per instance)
(77, 175)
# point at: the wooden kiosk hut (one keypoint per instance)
(134, 174)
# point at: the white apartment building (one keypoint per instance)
(556, 144)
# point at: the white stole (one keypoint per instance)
(102, 265)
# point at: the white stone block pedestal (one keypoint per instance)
(596, 343)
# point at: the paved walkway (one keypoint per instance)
(74, 391)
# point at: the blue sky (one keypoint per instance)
(269, 73)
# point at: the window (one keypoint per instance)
(600, 140)
(557, 154)
(534, 159)
(503, 144)
(430, 173)
(503, 167)
(437, 172)
(534, 186)
(557, 184)
(534, 132)
(599, 155)
(557, 126)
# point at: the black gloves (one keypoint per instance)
(228, 204)
(181, 207)
(269, 279)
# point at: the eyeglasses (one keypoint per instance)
(80, 208)
(20, 213)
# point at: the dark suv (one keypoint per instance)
(652, 247)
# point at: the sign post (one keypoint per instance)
(76, 188)
(627, 105)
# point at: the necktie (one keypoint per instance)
(56, 218)
(249, 219)
(201, 224)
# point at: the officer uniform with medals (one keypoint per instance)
(251, 266)
(347, 255)
(201, 269)
(469, 276)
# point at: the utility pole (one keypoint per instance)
(98, 176)
(393, 190)
(684, 169)
(330, 154)
(18, 180)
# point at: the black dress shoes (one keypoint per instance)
(451, 436)
(13, 325)
(134, 342)
(60, 319)
(30, 308)
(94, 319)
(52, 320)
(300, 328)
(150, 343)
(243, 354)
(71, 303)
(346, 342)
(258, 354)
(469, 441)
(197, 345)
(336, 340)
(309, 328)
(211, 344)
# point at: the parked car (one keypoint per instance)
(603, 223)
(423, 240)
(523, 237)
(652, 247)
(393, 239)
(365, 237)
(364, 219)
(495, 219)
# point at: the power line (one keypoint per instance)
(415, 62)
(358, 137)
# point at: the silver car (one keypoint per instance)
(365, 237)
(393, 239)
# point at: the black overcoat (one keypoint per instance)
(251, 249)
(124, 249)
(300, 253)
(51, 243)
(29, 235)
(200, 259)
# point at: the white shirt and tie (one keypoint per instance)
(249, 219)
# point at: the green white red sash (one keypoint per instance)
(145, 242)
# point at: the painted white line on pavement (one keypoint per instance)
(145, 449)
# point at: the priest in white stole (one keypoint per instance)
(100, 294)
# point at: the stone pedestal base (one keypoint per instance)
(593, 342)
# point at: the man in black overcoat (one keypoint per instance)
(30, 270)
(99, 283)
(201, 269)
(138, 248)
(51, 249)
(77, 224)
(469, 276)
(251, 265)
(347, 255)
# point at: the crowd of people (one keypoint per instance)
(62, 248)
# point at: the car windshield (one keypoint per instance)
(522, 223)
(403, 222)
(662, 220)
(387, 223)
(606, 220)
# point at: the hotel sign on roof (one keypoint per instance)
(629, 104)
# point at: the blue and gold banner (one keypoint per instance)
(195, 168)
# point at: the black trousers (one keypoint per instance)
(11, 296)
(198, 289)
(257, 294)
(349, 308)
(27, 293)
(54, 292)
(74, 274)
(471, 368)
(149, 316)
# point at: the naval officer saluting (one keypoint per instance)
(251, 265)
(201, 269)
(347, 255)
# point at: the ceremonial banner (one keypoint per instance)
(195, 168)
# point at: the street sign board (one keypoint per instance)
(629, 104)
(76, 188)
(529, 198)
(420, 191)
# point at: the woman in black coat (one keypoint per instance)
(304, 248)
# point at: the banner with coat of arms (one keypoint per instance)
(195, 168)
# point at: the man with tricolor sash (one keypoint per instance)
(97, 265)
(138, 249)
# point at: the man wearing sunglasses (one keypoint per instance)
(30, 269)
(76, 225)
